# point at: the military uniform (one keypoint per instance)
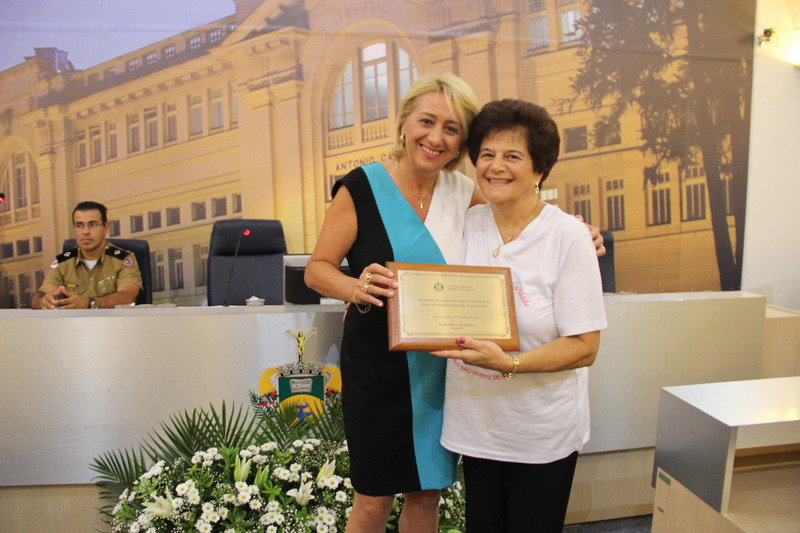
(114, 267)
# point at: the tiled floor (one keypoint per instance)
(636, 524)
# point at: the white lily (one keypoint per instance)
(160, 507)
(302, 495)
(327, 470)
(242, 469)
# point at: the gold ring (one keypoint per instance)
(368, 277)
(365, 288)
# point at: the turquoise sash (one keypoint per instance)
(412, 243)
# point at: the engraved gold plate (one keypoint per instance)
(436, 304)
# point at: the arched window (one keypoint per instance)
(371, 85)
(362, 107)
(19, 180)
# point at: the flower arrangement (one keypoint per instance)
(264, 471)
(254, 489)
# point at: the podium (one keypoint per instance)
(700, 429)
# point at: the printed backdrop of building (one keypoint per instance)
(257, 114)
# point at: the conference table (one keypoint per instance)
(78, 383)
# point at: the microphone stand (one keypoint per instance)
(243, 233)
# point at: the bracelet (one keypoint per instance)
(513, 373)
(366, 309)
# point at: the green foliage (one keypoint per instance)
(137, 482)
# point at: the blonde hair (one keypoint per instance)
(459, 95)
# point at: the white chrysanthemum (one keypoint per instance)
(203, 527)
(193, 497)
(255, 504)
(223, 513)
(207, 507)
(177, 503)
(240, 486)
(269, 447)
(341, 496)
(294, 477)
(135, 528)
(273, 506)
(305, 476)
(281, 473)
(347, 483)
(243, 497)
(323, 528)
(212, 517)
(272, 529)
(294, 467)
(272, 517)
(298, 443)
(315, 442)
(245, 454)
(308, 446)
(228, 498)
(254, 490)
(155, 470)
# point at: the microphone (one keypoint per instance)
(245, 233)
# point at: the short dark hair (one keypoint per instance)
(533, 121)
(89, 206)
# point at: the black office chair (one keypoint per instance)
(245, 258)
(607, 263)
(141, 249)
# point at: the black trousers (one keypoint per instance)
(517, 497)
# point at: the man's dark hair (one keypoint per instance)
(89, 206)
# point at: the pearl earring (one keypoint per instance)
(537, 189)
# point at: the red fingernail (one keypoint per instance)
(461, 340)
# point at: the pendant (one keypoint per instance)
(420, 204)
(496, 252)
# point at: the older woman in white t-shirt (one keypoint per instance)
(519, 419)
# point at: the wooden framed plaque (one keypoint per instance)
(435, 304)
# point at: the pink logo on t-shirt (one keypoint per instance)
(474, 371)
(521, 293)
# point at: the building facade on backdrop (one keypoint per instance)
(257, 114)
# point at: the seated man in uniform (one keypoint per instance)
(95, 274)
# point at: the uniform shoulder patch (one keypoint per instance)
(116, 251)
(60, 258)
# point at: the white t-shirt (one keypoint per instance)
(445, 220)
(537, 417)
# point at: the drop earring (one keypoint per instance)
(537, 189)
(403, 139)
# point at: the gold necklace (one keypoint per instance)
(419, 198)
(518, 229)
